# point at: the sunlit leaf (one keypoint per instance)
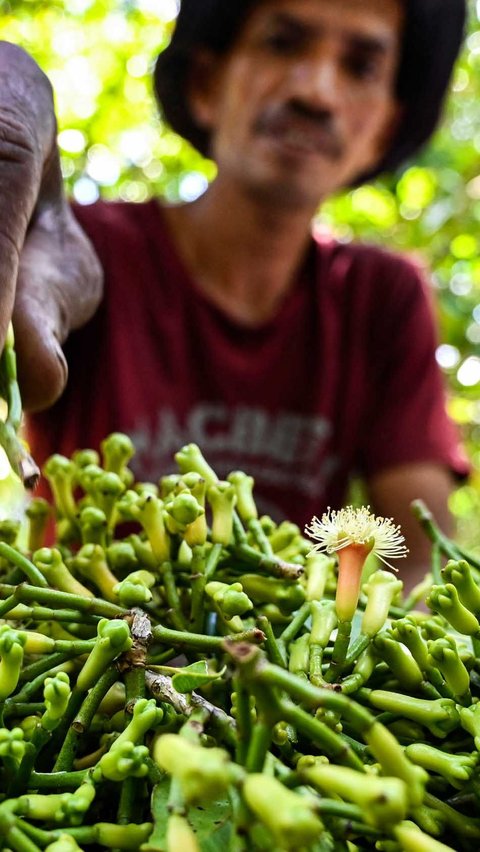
(416, 188)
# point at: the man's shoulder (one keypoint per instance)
(116, 217)
(355, 254)
(350, 264)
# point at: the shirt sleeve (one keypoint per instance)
(407, 419)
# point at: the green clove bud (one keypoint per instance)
(113, 639)
(121, 557)
(190, 458)
(412, 839)
(12, 743)
(222, 499)
(148, 510)
(134, 590)
(459, 574)
(146, 715)
(105, 491)
(56, 694)
(443, 654)
(383, 800)
(288, 816)
(93, 525)
(440, 715)
(324, 622)
(125, 760)
(407, 632)
(399, 660)
(38, 513)
(61, 473)
(245, 502)
(65, 843)
(91, 563)
(11, 659)
(181, 511)
(203, 773)
(470, 721)
(445, 600)
(50, 562)
(299, 659)
(391, 757)
(288, 597)
(230, 599)
(117, 450)
(318, 568)
(380, 589)
(457, 769)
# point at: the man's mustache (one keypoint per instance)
(302, 118)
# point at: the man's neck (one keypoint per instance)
(244, 255)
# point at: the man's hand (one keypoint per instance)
(50, 278)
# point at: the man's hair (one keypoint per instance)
(432, 38)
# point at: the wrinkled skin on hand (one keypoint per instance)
(50, 278)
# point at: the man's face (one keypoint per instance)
(303, 103)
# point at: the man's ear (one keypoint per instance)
(203, 87)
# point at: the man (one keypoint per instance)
(223, 322)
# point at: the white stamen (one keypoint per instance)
(338, 529)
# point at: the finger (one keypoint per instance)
(59, 288)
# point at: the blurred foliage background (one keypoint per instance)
(99, 56)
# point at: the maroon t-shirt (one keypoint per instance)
(342, 380)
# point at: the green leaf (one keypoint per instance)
(195, 675)
(157, 839)
(211, 823)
